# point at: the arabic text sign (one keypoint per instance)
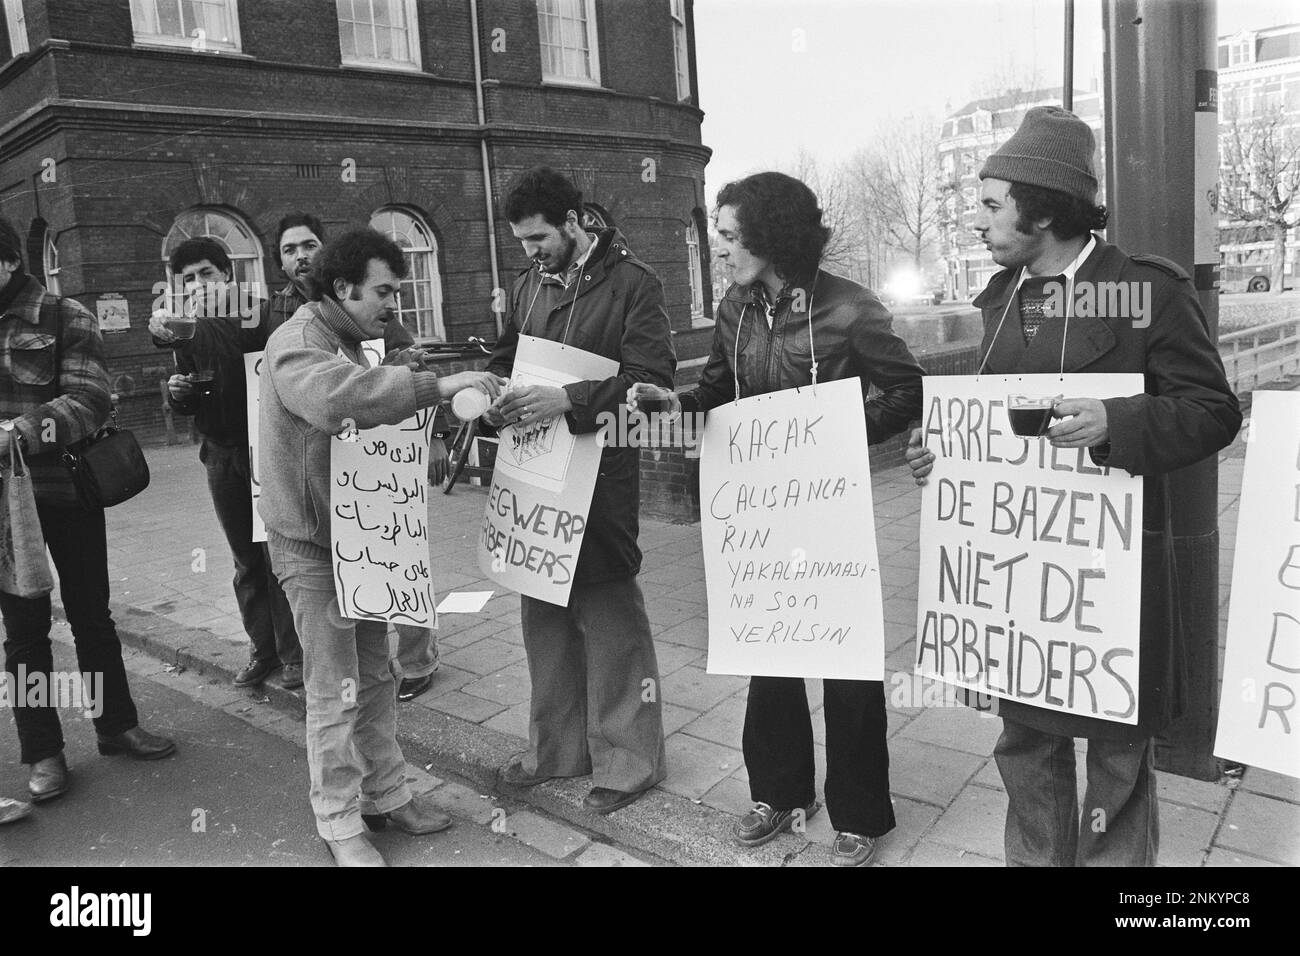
(789, 533)
(379, 522)
(1031, 556)
(541, 490)
(252, 398)
(1259, 721)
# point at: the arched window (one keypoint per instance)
(50, 255)
(420, 301)
(231, 233)
(696, 269)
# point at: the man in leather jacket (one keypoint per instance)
(780, 315)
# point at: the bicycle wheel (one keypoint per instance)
(460, 449)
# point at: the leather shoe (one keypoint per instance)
(412, 687)
(604, 800)
(290, 677)
(136, 742)
(11, 810)
(853, 849)
(354, 851)
(49, 778)
(255, 672)
(513, 776)
(765, 823)
(417, 817)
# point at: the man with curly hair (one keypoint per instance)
(1037, 215)
(780, 311)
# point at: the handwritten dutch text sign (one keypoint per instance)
(253, 405)
(1031, 556)
(541, 489)
(1259, 720)
(790, 560)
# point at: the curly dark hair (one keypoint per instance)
(779, 221)
(295, 219)
(1070, 215)
(196, 250)
(348, 257)
(542, 191)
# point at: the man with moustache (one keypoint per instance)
(1037, 215)
(315, 384)
(300, 235)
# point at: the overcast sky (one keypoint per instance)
(775, 75)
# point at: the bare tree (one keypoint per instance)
(1260, 178)
(898, 182)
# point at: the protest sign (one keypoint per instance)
(1259, 723)
(541, 490)
(1031, 555)
(789, 534)
(253, 405)
(379, 520)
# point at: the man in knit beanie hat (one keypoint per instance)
(1041, 315)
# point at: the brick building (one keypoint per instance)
(129, 125)
(1259, 128)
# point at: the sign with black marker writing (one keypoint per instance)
(540, 497)
(790, 560)
(379, 524)
(253, 405)
(1031, 555)
(1259, 721)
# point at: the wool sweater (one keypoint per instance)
(314, 385)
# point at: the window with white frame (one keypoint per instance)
(51, 256)
(568, 36)
(680, 55)
(17, 23)
(232, 234)
(695, 270)
(199, 25)
(419, 304)
(379, 33)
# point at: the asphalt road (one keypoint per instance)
(232, 795)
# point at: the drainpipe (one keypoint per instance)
(497, 313)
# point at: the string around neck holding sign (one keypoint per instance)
(812, 347)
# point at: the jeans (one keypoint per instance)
(778, 746)
(595, 705)
(417, 651)
(262, 604)
(353, 760)
(77, 544)
(1119, 824)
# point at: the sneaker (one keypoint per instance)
(290, 677)
(255, 672)
(853, 849)
(764, 822)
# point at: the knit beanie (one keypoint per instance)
(1053, 149)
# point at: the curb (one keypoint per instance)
(662, 825)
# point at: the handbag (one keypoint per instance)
(24, 565)
(107, 467)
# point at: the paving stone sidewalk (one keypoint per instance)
(171, 573)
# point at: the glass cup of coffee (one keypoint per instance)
(1031, 415)
(204, 382)
(651, 399)
(182, 317)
